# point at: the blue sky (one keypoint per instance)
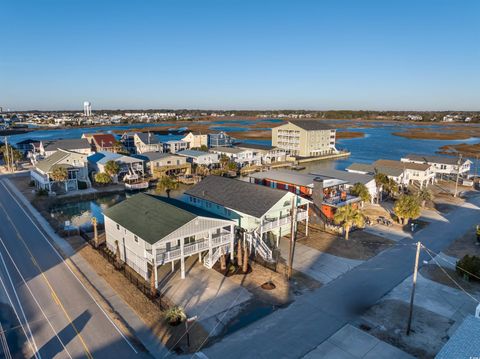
(240, 54)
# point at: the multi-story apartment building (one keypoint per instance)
(305, 138)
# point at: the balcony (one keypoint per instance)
(279, 222)
(193, 248)
(338, 201)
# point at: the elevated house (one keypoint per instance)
(79, 145)
(326, 193)
(267, 154)
(175, 146)
(165, 164)
(238, 155)
(76, 165)
(201, 158)
(147, 142)
(196, 139)
(164, 231)
(131, 168)
(261, 214)
(441, 165)
(27, 146)
(102, 142)
(305, 138)
(403, 173)
(128, 142)
(220, 139)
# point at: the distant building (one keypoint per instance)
(238, 155)
(102, 141)
(87, 109)
(175, 146)
(200, 158)
(79, 145)
(75, 164)
(441, 165)
(403, 173)
(196, 140)
(165, 164)
(220, 139)
(268, 154)
(305, 138)
(147, 142)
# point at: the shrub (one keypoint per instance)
(470, 264)
(42, 192)
(175, 314)
(102, 178)
(82, 185)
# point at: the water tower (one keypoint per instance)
(87, 108)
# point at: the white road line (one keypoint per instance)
(33, 296)
(36, 353)
(63, 261)
(6, 350)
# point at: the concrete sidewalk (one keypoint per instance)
(321, 266)
(140, 330)
(353, 343)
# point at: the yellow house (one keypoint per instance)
(305, 138)
(196, 140)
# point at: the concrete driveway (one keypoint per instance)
(321, 266)
(215, 299)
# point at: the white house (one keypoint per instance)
(164, 230)
(403, 173)
(130, 167)
(268, 154)
(441, 165)
(175, 146)
(200, 157)
(238, 155)
(261, 213)
(147, 142)
(196, 139)
(75, 164)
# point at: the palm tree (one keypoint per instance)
(424, 194)
(112, 168)
(407, 207)
(380, 180)
(59, 174)
(167, 183)
(349, 216)
(360, 190)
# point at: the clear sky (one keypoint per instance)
(240, 54)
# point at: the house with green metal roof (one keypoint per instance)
(74, 165)
(150, 231)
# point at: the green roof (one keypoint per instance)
(153, 217)
(47, 164)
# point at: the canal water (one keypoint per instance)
(379, 142)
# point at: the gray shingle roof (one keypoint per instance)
(68, 144)
(370, 169)
(292, 177)
(401, 165)
(350, 177)
(46, 165)
(465, 342)
(434, 159)
(148, 138)
(312, 125)
(154, 156)
(255, 146)
(155, 217)
(238, 195)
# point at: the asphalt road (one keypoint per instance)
(46, 311)
(298, 329)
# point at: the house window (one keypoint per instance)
(118, 227)
(135, 238)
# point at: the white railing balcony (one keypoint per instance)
(193, 248)
(279, 222)
(340, 202)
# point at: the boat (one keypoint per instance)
(298, 168)
(136, 185)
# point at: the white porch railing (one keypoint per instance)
(219, 251)
(259, 245)
(196, 247)
(279, 222)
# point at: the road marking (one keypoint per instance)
(68, 267)
(56, 298)
(3, 339)
(31, 340)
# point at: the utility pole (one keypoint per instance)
(415, 271)
(476, 168)
(292, 239)
(458, 174)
